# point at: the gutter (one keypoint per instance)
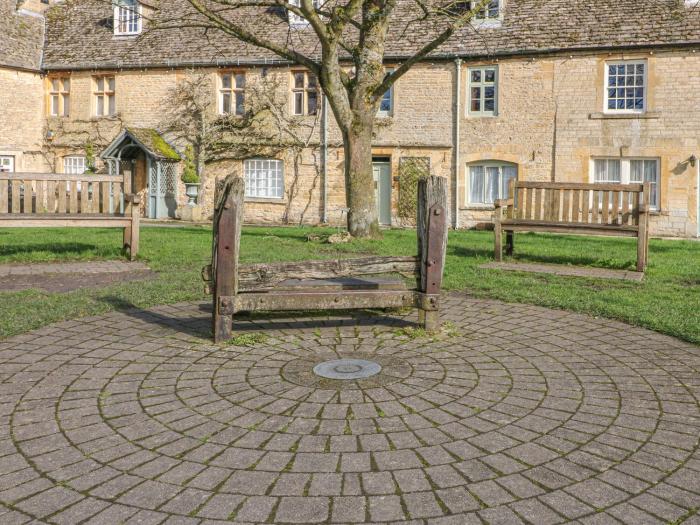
(457, 139)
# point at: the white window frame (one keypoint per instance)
(302, 93)
(482, 85)
(257, 187)
(59, 96)
(7, 164)
(606, 87)
(74, 164)
(483, 15)
(625, 174)
(233, 91)
(133, 25)
(299, 21)
(107, 94)
(388, 94)
(469, 198)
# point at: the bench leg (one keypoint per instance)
(498, 243)
(126, 245)
(510, 241)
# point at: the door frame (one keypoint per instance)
(383, 161)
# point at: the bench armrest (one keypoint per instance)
(132, 198)
(503, 203)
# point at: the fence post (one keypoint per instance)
(228, 218)
(431, 226)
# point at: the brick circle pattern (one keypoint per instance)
(515, 414)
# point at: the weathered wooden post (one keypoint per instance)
(643, 233)
(510, 235)
(432, 244)
(228, 218)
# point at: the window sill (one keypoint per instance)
(477, 207)
(266, 200)
(625, 116)
(479, 115)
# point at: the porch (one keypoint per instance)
(153, 166)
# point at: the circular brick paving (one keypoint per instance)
(515, 414)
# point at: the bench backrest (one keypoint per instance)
(606, 204)
(60, 193)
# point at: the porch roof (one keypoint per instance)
(148, 140)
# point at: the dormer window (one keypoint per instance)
(296, 20)
(127, 17)
(491, 11)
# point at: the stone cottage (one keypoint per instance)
(553, 90)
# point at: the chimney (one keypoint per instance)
(34, 6)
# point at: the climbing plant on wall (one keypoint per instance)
(411, 170)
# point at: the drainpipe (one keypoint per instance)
(456, 139)
(324, 160)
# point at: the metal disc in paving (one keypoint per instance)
(347, 369)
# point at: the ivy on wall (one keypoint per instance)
(411, 170)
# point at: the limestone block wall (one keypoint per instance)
(520, 133)
(21, 119)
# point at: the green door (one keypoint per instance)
(382, 189)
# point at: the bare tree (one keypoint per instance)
(344, 44)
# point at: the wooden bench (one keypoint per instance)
(620, 210)
(324, 284)
(43, 200)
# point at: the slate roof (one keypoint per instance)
(21, 37)
(79, 33)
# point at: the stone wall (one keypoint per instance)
(550, 123)
(21, 119)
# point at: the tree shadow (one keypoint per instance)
(63, 248)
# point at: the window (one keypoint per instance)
(232, 94)
(264, 178)
(74, 165)
(59, 97)
(105, 103)
(304, 93)
(625, 84)
(295, 19)
(490, 11)
(483, 91)
(488, 181)
(629, 171)
(386, 105)
(127, 17)
(7, 164)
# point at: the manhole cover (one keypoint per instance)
(347, 369)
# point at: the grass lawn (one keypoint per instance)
(668, 300)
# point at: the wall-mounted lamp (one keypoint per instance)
(693, 160)
(49, 135)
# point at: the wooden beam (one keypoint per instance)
(267, 275)
(298, 300)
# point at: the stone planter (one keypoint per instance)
(192, 192)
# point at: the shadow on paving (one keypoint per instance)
(258, 321)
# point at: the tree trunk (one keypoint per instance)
(359, 181)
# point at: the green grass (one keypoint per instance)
(668, 300)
